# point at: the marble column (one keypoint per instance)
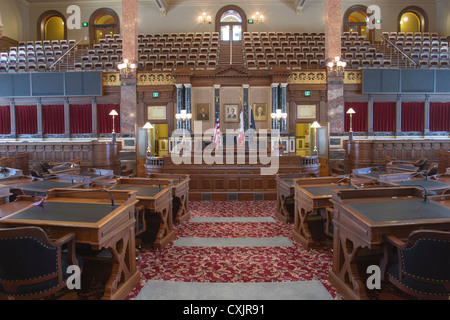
(245, 107)
(283, 106)
(179, 106)
(187, 104)
(128, 93)
(333, 27)
(274, 103)
(216, 103)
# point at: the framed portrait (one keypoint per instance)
(260, 111)
(202, 111)
(231, 113)
(156, 113)
(306, 112)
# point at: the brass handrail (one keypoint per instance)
(398, 49)
(65, 53)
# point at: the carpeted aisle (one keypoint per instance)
(234, 250)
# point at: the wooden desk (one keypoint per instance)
(312, 194)
(180, 194)
(285, 195)
(89, 214)
(437, 186)
(361, 220)
(156, 197)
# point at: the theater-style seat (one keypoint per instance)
(420, 267)
(33, 266)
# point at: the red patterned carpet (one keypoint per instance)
(235, 264)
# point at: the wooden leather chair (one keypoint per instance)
(420, 267)
(31, 265)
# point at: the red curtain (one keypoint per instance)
(384, 116)
(439, 116)
(5, 120)
(80, 118)
(26, 119)
(53, 119)
(359, 118)
(413, 116)
(104, 120)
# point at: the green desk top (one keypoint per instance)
(326, 190)
(67, 212)
(401, 210)
(141, 191)
(47, 185)
(427, 184)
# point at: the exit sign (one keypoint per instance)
(155, 94)
(250, 21)
(307, 93)
(85, 24)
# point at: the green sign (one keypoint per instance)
(155, 94)
(307, 93)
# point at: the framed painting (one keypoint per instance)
(260, 111)
(202, 111)
(231, 113)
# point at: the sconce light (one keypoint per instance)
(204, 18)
(113, 113)
(257, 17)
(336, 66)
(315, 126)
(126, 68)
(351, 112)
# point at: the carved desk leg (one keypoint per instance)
(301, 231)
(344, 274)
(166, 232)
(124, 276)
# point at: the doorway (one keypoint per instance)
(231, 23)
(355, 20)
(103, 22)
(307, 142)
(52, 26)
(412, 19)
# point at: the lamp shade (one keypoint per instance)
(315, 125)
(113, 113)
(351, 111)
(148, 125)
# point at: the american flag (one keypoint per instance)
(217, 135)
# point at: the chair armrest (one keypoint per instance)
(68, 238)
(389, 242)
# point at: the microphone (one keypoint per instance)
(425, 193)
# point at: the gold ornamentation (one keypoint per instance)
(308, 77)
(112, 79)
(353, 77)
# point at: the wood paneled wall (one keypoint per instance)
(366, 153)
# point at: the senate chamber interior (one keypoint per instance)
(224, 150)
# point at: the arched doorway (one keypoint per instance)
(102, 22)
(413, 19)
(52, 26)
(231, 23)
(355, 20)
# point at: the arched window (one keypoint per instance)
(102, 22)
(412, 19)
(52, 26)
(355, 20)
(231, 22)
